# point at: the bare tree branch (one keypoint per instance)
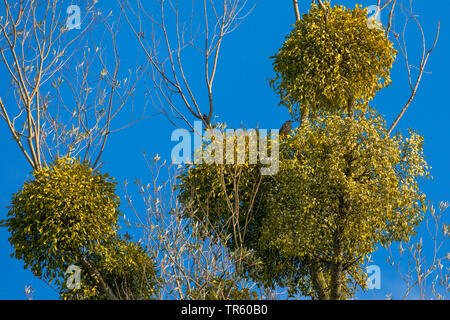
(63, 99)
(296, 10)
(166, 48)
(394, 7)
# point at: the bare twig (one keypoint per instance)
(164, 46)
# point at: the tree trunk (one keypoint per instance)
(318, 282)
(93, 272)
(305, 115)
(336, 269)
(337, 265)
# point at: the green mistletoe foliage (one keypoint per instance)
(219, 192)
(68, 214)
(225, 196)
(64, 208)
(331, 59)
(344, 187)
(128, 270)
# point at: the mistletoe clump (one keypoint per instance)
(343, 188)
(331, 58)
(67, 214)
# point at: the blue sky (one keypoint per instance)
(242, 95)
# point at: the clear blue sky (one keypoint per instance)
(242, 95)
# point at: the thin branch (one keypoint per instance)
(417, 83)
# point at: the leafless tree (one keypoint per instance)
(66, 85)
(192, 260)
(182, 43)
(423, 272)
